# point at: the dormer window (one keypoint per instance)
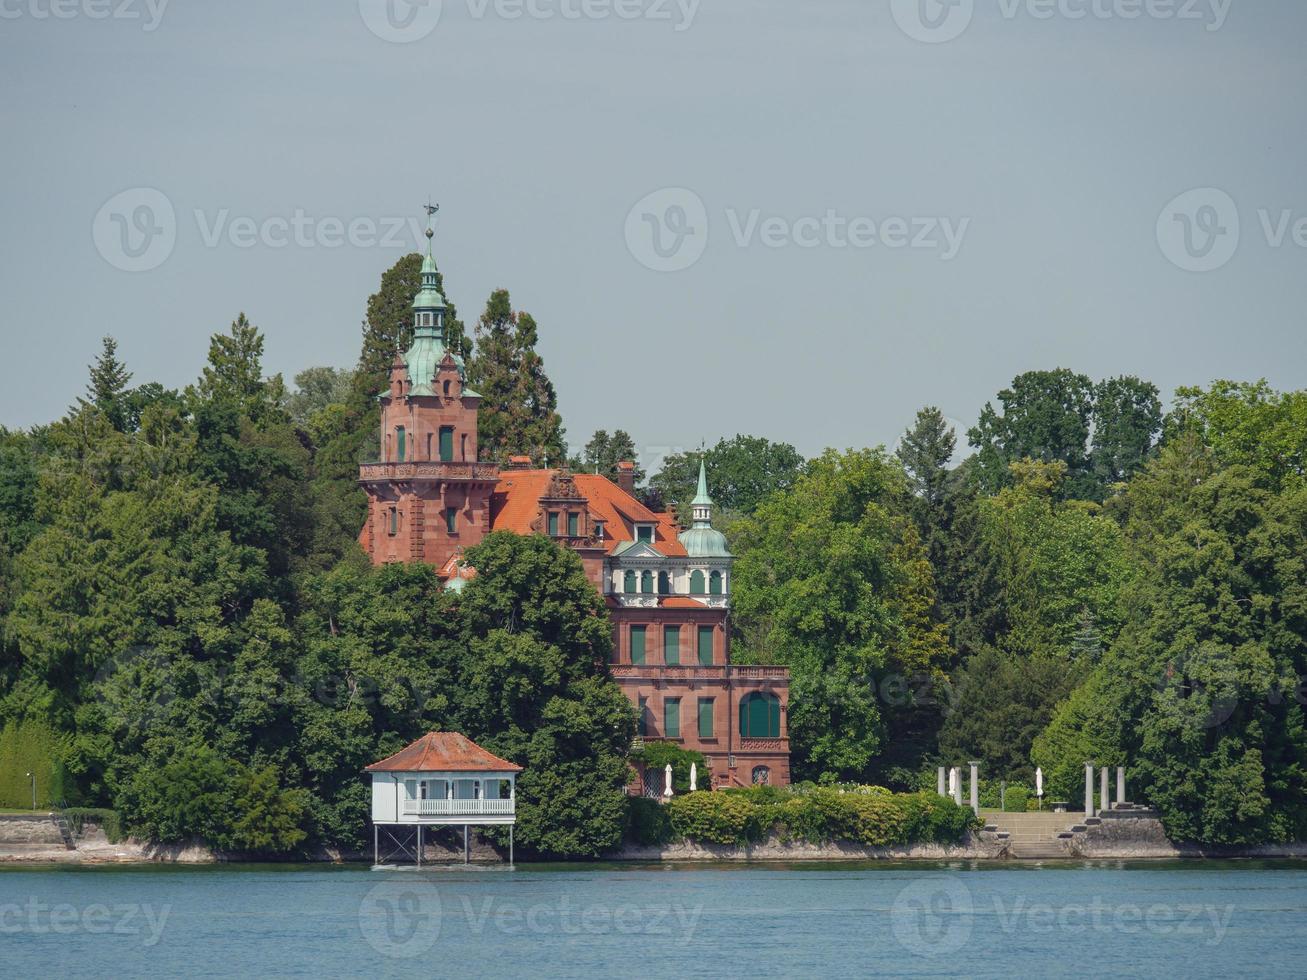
(599, 530)
(645, 533)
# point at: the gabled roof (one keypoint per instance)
(443, 752)
(516, 503)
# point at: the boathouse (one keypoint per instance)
(443, 779)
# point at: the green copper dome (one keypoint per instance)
(703, 540)
(423, 358)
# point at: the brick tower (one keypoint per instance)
(428, 497)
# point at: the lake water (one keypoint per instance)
(1217, 919)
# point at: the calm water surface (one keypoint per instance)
(1217, 919)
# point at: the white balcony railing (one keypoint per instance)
(457, 808)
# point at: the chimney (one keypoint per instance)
(626, 476)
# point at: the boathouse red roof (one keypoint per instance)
(443, 752)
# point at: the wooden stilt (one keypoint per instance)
(510, 845)
(376, 845)
(465, 847)
(419, 845)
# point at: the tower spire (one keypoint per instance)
(702, 503)
(429, 304)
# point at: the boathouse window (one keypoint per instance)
(573, 525)
(672, 645)
(761, 776)
(715, 583)
(446, 443)
(672, 718)
(401, 444)
(628, 582)
(760, 716)
(646, 583)
(696, 582)
(644, 532)
(643, 721)
(637, 644)
(705, 646)
(451, 520)
(394, 521)
(705, 717)
(664, 584)
(446, 389)
(553, 523)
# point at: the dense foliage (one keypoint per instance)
(191, 635)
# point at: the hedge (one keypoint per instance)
(110, 823)
(870, 816)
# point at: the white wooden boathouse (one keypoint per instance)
(444, 779)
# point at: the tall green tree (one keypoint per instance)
(1045, 416)
(519, 408)
(603, 452)
(926, 450)
(1127, 422)
(107, 388)
(743, 471)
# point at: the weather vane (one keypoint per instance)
(431, 212)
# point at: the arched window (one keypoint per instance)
(664, 584)
(760, 716)
(696, 582)
(646, 583)
(761, 776)
(715, 583)
(628, 582)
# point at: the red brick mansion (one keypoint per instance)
(668, 590)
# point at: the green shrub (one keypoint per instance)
(720, 818)
(658, 755)
(936, 819)
(109, 821)
(647, 822)
(31, 746)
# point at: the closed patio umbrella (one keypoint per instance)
(694, 777)
(667, 787)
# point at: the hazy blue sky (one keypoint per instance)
(1050, 146)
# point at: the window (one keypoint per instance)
(664, 584)
(401, 444)
(446, 389)
(646, 583)
(446, 443)
(637, 644)
(643, 729)
(462, 446)
(672, 718)
(672, 645)
(760, 716)
(761, 776)
(573, 525)
(644, 532)
(394, 521)
(553, 523)
(696, 582)
(428, 445)
(628, 582)
(705, 646)
(451, 520)
(715, 583)
(705, 718)
(599, 530)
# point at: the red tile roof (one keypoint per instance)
(443, 752)
(515, 504)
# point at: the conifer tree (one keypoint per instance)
(107, 388)
(519, 408)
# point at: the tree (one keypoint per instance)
(603, 452)
(388, 327)
(317, 389)
(107, 388)
(1045, 417)
(519, 408)
(926, 451)
(742, 472)
(830, 582)
(1127, 421)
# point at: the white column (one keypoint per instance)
(942, 782)
(1120, 785)
(1089, 789)
(975, 787)
(1103, 797)
(957, 785)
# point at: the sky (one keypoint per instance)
(801, 220)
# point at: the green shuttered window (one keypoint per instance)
(705, 646)
(672, 645)
(760, 716)
(705, 718)
(672, 718)
(446, 443)
(637, 644)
